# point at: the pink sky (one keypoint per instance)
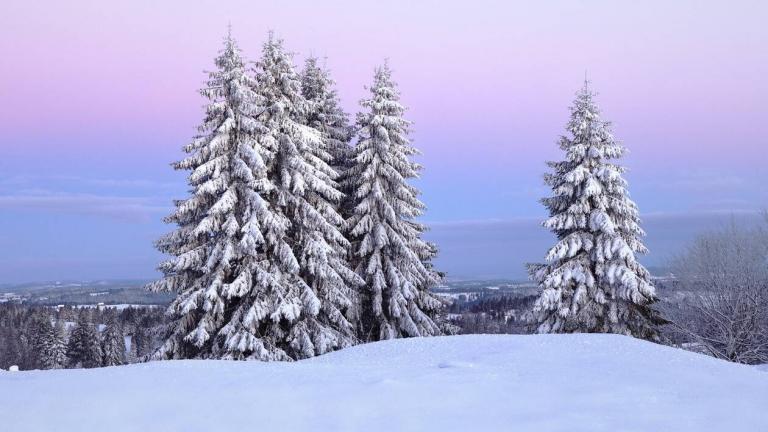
(675, 76)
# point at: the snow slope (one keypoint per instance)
(461, 383)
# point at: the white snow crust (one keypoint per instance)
(536, 383)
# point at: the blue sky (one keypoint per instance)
(69, 227)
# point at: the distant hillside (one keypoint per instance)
(82, 292)
(132, 291)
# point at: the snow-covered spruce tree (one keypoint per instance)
(230, 257)
(57, 354)
(41, 333)
(83, 349)
(112, 345)
(141, 345)
(325, 115)
(311, 312)
(388, 251)
(592, 282)
(50, 351)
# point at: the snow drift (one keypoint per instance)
(479, 382)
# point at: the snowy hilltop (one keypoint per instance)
(579, 382)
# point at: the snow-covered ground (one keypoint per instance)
(462, 383)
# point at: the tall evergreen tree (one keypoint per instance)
(112, 345)
(592, 281)
(229, 251)
(388, 251)
(324, 113)
(312, 311)
(83, 349)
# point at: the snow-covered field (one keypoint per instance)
(461, 383)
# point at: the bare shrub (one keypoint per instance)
(726, 312)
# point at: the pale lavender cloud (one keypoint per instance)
(129, 209)
(24, 181)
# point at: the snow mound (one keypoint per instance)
(460, 383)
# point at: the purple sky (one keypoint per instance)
(98, 98)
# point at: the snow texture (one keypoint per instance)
(542, 383)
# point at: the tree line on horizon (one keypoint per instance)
(44, 337)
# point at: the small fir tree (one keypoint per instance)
(113, 345)
(83, 349)
(141, 343)
(57, 353)
(50, 351)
